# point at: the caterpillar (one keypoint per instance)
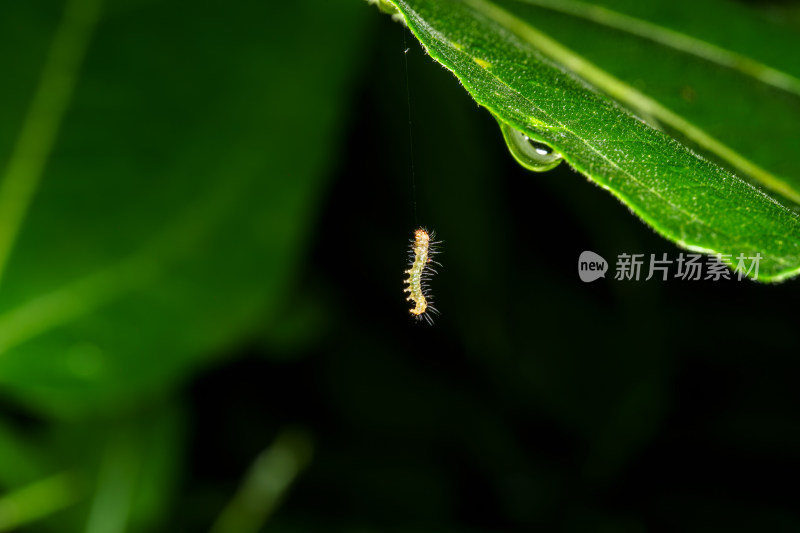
(423, 248)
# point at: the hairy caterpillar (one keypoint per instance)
(423, 248)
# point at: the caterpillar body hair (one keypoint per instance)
(423, 249)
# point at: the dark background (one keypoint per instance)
(535, 402)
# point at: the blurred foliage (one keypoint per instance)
(214, 256)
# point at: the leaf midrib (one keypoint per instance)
(50, 103)
(674, 39)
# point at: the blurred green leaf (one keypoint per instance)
(37, 500)
(135, 461)
(502, 54)
(20, 460)
(99, 475)
(266, 483)
(171, 216)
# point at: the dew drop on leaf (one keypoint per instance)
(529, 153)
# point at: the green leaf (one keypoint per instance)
(158, 208)
(503, 55)
(96, 475)
(37, 500)
(696, 83)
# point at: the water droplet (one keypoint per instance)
(529, 153)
